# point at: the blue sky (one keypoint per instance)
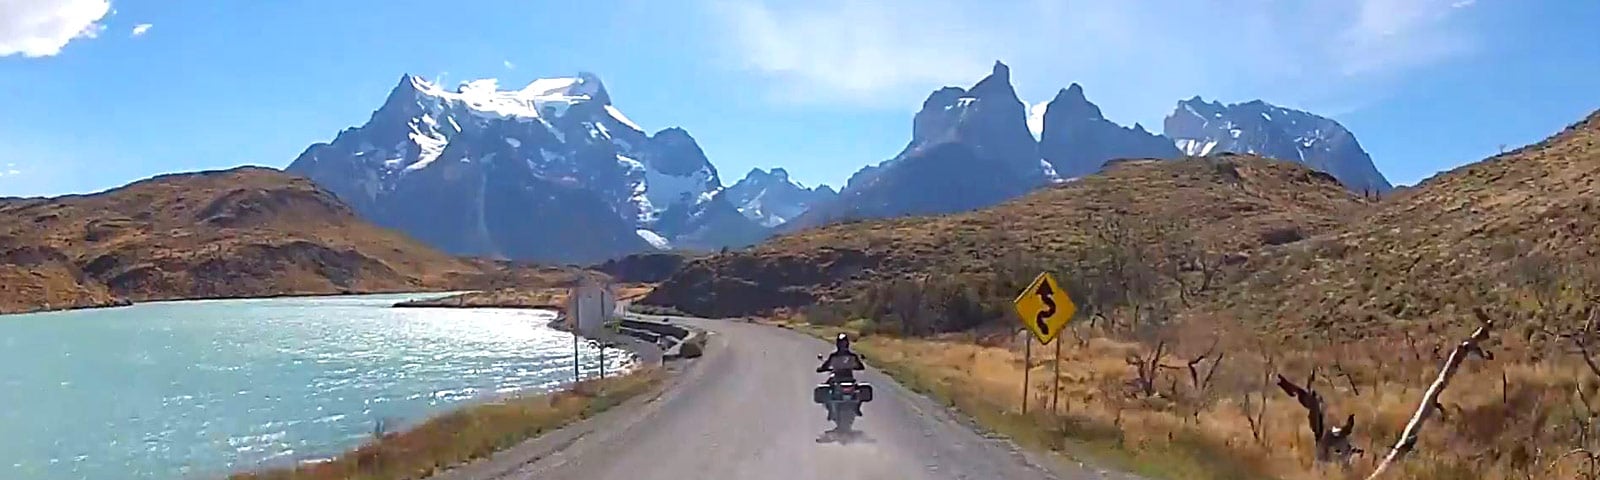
(820, 87)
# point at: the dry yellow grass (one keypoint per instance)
(1500, 421)
(469, 433)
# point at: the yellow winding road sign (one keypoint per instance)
(1045, 308)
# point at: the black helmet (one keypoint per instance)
(842, 341)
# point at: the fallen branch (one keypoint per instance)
(1430, 400)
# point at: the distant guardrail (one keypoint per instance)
(676, 341)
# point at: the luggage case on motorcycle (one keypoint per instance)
(822, 392)
(864, 392)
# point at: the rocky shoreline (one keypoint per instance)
(545, 298)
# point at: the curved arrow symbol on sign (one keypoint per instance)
(1044, 293)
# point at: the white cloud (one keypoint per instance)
(40, 28)
(509, 65)
(1130, 56)
(140, 29)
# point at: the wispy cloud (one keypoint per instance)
(833, 49)
(891, 53)
(509, 65)
(1389, 34)
(41, 28)
(140, 29)
(10, 170)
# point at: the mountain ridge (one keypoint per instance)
(971, 148)
(551, 172)
(242, 232)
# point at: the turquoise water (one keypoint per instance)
(199, 389)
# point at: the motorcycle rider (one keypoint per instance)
(842, 365)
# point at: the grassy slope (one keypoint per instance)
(241, 232)
(1427, 254)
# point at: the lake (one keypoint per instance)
(203, 388)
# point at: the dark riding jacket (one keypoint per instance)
(843, 363)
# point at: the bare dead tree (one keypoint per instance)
(1338, 368)
(1251, 416)
(1472, 345)
(1194, 371)
(1146, 367)
(1255, 415)
(1583, 340)
(1332, 444)
(1125, 268)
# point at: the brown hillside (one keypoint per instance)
(1478, 234)
(241, 232)
(1234, 203)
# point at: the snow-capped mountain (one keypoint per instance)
(550, 172)
(1078, 140)
(969, 148)
(1201, 128)
(771, 198)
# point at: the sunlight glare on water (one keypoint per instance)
(199, 389)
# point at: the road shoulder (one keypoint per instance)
(521, 460)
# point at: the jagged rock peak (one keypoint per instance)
(997, 84)
(1070, 103)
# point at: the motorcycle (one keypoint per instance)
(841, 398)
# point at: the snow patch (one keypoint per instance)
(428, 149)
(551, 86)
(665, 191)
(617, 114)
(639, 197)
(483, 97)
(1194, 147)
(654, 239)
